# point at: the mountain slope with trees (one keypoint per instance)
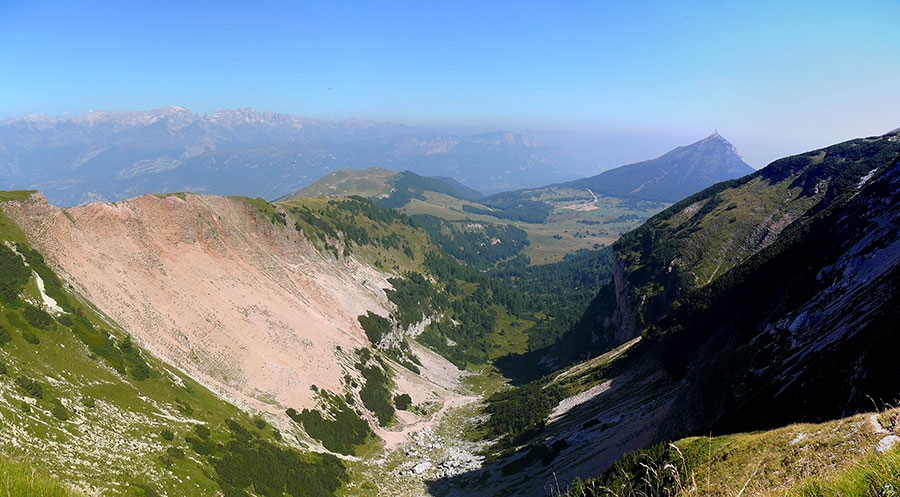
(797, 327)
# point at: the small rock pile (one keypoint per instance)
(428, 447)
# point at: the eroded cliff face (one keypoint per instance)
(246, 306)
(624, 320)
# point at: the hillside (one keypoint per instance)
(793, 326)
(224, 289)
(86, 410)
(387, 188)
(773, 268)
(369, 183)
(841, 457)
(827, 323)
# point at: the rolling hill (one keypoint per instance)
(387, 188)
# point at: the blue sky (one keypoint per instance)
(773, 77)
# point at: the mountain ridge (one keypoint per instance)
(107, 156)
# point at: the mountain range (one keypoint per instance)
(113, 156)
(187, 344)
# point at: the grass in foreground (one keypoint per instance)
(835, 458)
(18, 479)
(876, 475)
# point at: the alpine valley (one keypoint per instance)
(679, 326)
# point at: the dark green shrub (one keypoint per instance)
(4, 336)
(139, 369)
(244, 463)
(341, 434)
(518, 411)
(30, 337)
(60, 412)
(403, 401)
(202, 431)
(375, 326)
(201, 447)
(167, 435)
(88, 402)
(31, 387)
(376, 393)
(15, 274)
(36, 316)
(239, 433)
(99, 342)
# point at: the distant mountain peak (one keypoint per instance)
(716, 137)
(674, 175)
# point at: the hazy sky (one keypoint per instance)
(773, 77)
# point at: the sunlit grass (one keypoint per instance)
(874, 475)
(15, 195)
(830, 459)
(19, 479)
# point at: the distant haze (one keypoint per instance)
(775, 78)
(106, 156)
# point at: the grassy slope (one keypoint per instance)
(372, 182)
(827, 459)
(378, 252)
(699, 239)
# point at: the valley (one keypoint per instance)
(393, 334)
(449, 249)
